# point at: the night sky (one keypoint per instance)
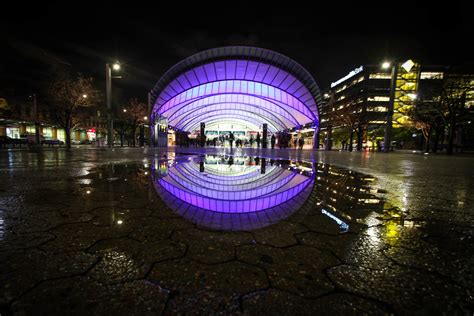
(328, 41)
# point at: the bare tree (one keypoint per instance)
(442, 107)
(69, 97)
(452, 104)
(348, 119)
(136, 112)
(121, 124)
(426, 117)
(426, 120)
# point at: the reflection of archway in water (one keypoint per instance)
(233, 193)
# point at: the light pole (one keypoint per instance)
(388, 126)
(110, 119)
(142, 131)
(37, 129)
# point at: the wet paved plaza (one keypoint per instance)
(138, 231)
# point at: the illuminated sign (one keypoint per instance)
(408, 65)
(349, 75)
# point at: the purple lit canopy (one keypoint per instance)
(245, 84)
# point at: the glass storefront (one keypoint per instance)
(47, 132)
(13, 132)
(30, 129)
(61, 134)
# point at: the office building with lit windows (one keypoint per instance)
(360, 100)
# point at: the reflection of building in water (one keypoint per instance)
(345, 194)
(234, 192)
(347, 197)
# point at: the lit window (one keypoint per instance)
(61, 134)
(380, 75)
(47, 132)
(13, 132)
(377, 109)
(340, 89)
(431, 75)
(378, 98)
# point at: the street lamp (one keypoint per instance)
(388, 126)
(110, 119)
(385, 65)
(142, 132)
(37, 124)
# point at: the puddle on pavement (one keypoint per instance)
(244, 193)
(247, 193)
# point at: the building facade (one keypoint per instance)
(17, 121)
(357, 106)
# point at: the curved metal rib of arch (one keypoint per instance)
(230, 110)
(300, 110)
(176, 113)
(246, 116)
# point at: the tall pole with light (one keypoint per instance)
(37, 125)
(150, 124)
(110, 119)
(389, 123)
(142, 131)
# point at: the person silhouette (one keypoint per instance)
(231, 139)
(301, 142)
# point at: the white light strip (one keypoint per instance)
(349, 75)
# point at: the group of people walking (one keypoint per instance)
(283, 140)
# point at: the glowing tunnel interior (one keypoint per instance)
(237, 84)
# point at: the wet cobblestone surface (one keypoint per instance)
(85, 232)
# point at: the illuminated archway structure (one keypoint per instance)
(235, 83)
